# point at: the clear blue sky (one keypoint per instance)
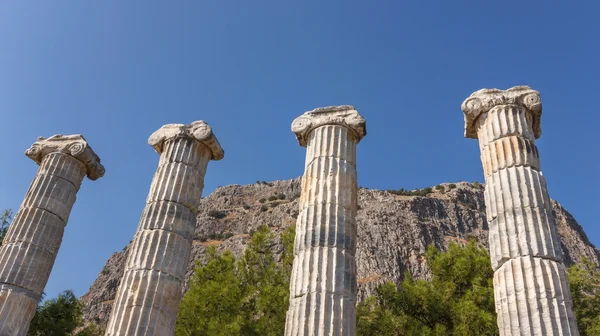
(115, 71)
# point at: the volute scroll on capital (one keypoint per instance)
(74, 145)
(482, 101)
(198, 130)
(343, 115)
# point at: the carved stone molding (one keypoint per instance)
(74, 145)
(343, 115)
(484, 100)
(198, 130)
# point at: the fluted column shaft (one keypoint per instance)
(530, 288)
(323, 281)
(151, 287)
(33, 239)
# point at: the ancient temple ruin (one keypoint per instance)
(34, 237)
(530, 287)
(531, 291)
(323, 282)
(150, 290)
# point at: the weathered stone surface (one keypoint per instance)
(73, 145)
(323, 281)
(343, 115)
(34, 237)
(532, 298)
(393, 232)
(150, 289)
(531, 291)
(482, 103)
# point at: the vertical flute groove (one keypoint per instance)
(151, 286)
(150, 291)
(530, 288)
(323, 280)
(34, 237)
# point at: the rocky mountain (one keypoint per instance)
(394, 231)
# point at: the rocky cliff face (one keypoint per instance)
(393, 232)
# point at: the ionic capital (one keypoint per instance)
(344, 115)
(74, 145)
(198, 130)
(484, 100)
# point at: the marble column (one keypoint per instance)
(530, 285)
(323, 281)
(150, 289)
(34, 237)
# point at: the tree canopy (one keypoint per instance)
(61, 316)
(584, 281)
(248, 296)
(458, 300)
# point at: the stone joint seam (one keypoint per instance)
(512, 209)
(312, 204)
(504, 261)
(48, 211)
(34, 294)
(320, 292)
(194, 211)
(513, 166)
(62, 178)
(152, 270)
(330, 156)
(36, 245)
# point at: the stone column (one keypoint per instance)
(150, 290)
(530, 285)
(34, 237)
(323, 281)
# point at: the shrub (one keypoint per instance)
(439, 187)
(246, 206)
(272, 198)
(452, 185)
(426, 191)
(262, 200)
(274, 204)
(477, 185)
(217, 214)
(264, 208)
(281, 196)
(227, 235)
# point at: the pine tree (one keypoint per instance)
(239, 297)
(584, 281)
(458, 300)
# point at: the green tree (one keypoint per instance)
(5, 219)
(584, 281)
(458, 300)
(213, 304)
(61, 316)
(240, 297)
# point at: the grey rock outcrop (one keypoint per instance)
(393, 232)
